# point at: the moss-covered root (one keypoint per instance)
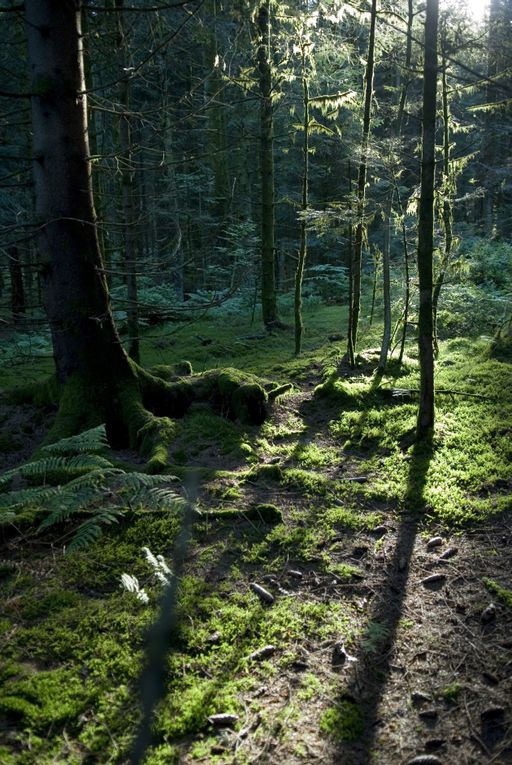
(154, 439)
(234, 394)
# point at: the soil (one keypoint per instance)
(432, 671)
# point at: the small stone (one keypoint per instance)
(434, 580)
(428, 714)
(434, 542)
(488, 614)
(262, 653)
(425, 759)
(379, 531)
(262, 593)
(490, 678)
(448, 553)
(214, 638)
(295, 574)
(434, 743)
(299, 665)
(222, 720)
(418, 698)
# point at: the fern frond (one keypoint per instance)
(6, 515)
(40, 468)
(160, 499)
(37, 495)
(138, 481)
(91, 529)
(88, 461)
(6, 478)
(90, 442)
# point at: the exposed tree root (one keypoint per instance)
(140, 407)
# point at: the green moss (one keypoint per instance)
(264, 513)
(155, 438)
(504, 594)
(46, 698)
(313, 455)
(309, 482)
(49, 603)
(265, 473)
(451, 692)
(344, 722)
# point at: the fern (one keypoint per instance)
(91, 441)
(89, 485)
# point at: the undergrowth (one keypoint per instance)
(317, 479)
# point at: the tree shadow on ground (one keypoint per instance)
(367, 680)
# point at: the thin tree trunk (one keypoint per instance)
(268, 280)
(127, 185)
(18, 308)
(386, 290)
(425, 421)
(374, 286)
(361, 188)
(350, 346)
(299, 276)
(386, 255)
(407, 296)
(447, 208)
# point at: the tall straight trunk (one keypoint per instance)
(386, 291)
(350, 347)
(447, 207)
(18, 308)
(407, 296)
(268, 279)
(361, 188)
(127, 187)
(386, 250)
(299, 276)
(85, 342)
(425, 421)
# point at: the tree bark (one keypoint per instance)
(425, 422)
(127, 193)
(447, 208)
(17, 288)
(303, 248)
(268, 279)
(361, 189)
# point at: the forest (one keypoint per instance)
(255, 382)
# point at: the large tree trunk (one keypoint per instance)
(75, 293)
(268, 278)
(97, 381)
(425, 421)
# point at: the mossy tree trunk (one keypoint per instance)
(97, 381)
(425, 421)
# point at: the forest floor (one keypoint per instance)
(380, 627)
